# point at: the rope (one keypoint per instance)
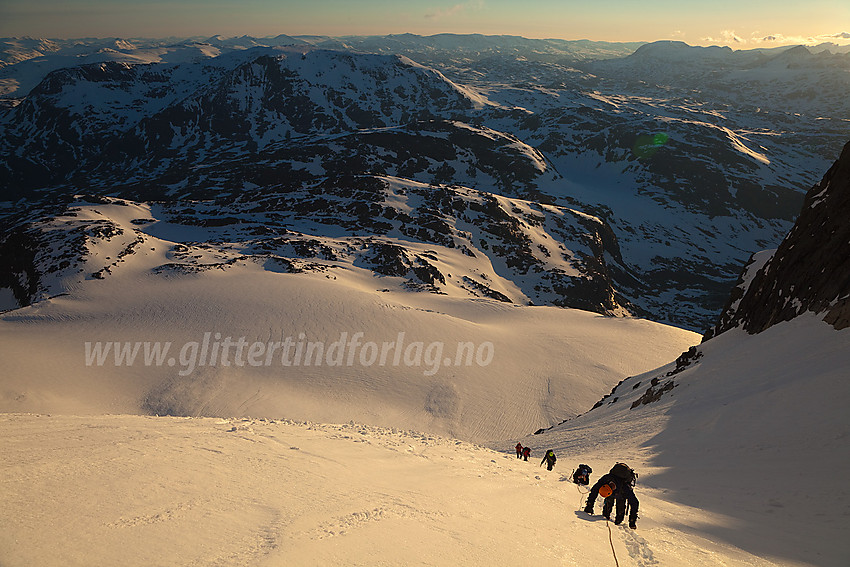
(607, 524)
(611, 541)
(580, 496)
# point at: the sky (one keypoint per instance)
(737, 23)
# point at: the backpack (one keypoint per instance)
(624, 471)
(582, 475)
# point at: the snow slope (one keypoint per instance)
(137, 280)
(738, 466)
(171, 491)
(733, 458)
(752, 439)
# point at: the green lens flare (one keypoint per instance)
(647, 144)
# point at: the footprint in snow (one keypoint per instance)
(638, 549)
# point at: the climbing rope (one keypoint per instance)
(607, 523)
(580, 497)
(611, 541)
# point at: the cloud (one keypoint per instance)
(729, 37)
(773, 38)
(780, 39)
(444, 13)
(726, 37)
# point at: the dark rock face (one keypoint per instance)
(810, 271)
(17, 257)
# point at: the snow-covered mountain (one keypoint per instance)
(723, 141)
(798, 78)
(289, 143)
(592, 136)
(238, 102)
(446, 240)
(24, 61)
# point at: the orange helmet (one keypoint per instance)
(606, 490)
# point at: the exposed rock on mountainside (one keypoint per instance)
(82, 123)
(433, 238)
(214, 119)
(810, 271)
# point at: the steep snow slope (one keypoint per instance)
(169, 491)
(738, 466)
(751, 429)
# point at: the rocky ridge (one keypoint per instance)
(810, 271)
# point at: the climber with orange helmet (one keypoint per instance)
(616, 487)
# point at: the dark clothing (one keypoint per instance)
(526, 452)
(622, 493)
(518, 450)
(549, 459)
(582, 475)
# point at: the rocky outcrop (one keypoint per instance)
(428, 238)
(810, 271)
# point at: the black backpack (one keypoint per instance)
(582, 475)
(624, 471)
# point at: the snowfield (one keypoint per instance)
(734, 448)
(132, 490)
(738, 466)
(402, 364)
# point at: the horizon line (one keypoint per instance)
(223, 37)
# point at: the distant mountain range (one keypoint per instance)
(618, 178)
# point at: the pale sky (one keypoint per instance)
(737, 23)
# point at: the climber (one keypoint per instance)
(616, 487)
(549, 458)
